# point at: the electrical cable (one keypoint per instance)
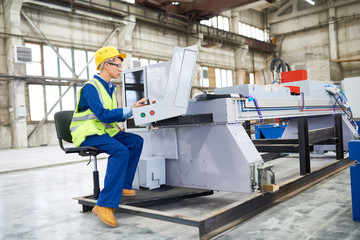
(251, 98)
(287, 66)
(347, 111)
(345, 99)
(302, 101)
(277, 71)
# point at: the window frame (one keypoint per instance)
(58, 81)
(202, 78)
(218, 21)
(253, 32)
(220, 73)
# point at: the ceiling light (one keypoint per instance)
(175, 3)
(311, 2)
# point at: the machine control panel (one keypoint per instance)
(143, 114)
(175, 96)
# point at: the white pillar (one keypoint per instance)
(16, 87)
(124, 38)
(241, 64)
(335, 69)
(332, 34)
(234, 27)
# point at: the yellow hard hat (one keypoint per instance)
(106, 53)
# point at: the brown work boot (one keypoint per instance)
(129, 192)
(106, 215)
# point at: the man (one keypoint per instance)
(94, 123)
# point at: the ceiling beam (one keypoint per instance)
(203, 8)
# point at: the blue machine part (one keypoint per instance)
(354, 154)
(354, 150)
(272, 131)
(358, 123)
(355, 191)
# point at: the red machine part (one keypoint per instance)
(293, 76)
(294, 90)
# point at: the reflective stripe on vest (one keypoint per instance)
(84, 118)
(98, 90)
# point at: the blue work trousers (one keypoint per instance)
(124, 150)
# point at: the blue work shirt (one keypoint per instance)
(90, 99)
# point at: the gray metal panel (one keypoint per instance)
(263, 91)
(156, 76)
(213, 157)
(193, 173)
(160, 142)
(351, 87)
(217, 107)
(175, 70)
(311, 87)
(185, 79)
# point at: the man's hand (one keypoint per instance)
(140, 103)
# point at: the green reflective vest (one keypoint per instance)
(86, 123)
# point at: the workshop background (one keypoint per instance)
(237, 41)
(46, 55)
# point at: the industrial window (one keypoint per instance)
(223, 77)
(252, 32)
(44, 94)
(219, 22)
(36, 98)
(252, 78)
(140, 62)
(35, 67)
(204, 77)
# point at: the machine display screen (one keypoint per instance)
(133, 83)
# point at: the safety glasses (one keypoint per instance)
(116, 64)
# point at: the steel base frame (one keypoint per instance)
(144, 197)
(305, 142)
(212, 225)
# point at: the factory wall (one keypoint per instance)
(304, 38)
(138, 39)
(62, 29)
(314, 37)
(5, 129)
(348, 25)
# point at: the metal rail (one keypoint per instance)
(244, 211)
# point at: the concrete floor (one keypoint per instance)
(37, 186)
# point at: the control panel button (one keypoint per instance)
(152, 112)
(142, 114)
